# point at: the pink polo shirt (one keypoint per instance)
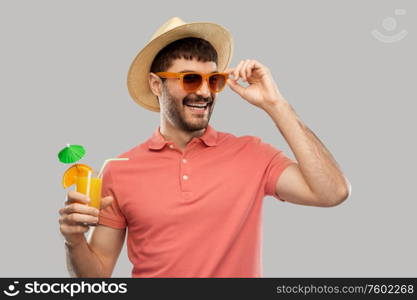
(196, 212)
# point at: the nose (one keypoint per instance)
(204, 90)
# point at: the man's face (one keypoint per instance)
(174, 100)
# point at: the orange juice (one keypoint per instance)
(94, 189)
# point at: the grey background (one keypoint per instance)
(63, 67)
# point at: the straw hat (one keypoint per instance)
(172, 30)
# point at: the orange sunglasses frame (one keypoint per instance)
(204, 76)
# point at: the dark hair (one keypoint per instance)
(187, 48)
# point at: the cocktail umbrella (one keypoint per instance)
(71, 154)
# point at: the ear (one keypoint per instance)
(155, 84)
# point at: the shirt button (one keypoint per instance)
(171, 146)
(185, 177)
(184, 160)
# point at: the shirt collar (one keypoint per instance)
(157, 141)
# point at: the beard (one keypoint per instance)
(184, 118)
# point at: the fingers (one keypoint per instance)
(236, 87)
(106, 201)
(236, 72)
(76, 197)
(79, 208)
(244, 70)
(76, 212)
(77, 219)
(250, 67)
(77, 216)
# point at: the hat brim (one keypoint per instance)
(137, 79)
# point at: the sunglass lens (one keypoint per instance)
(217, 82)
(192, 82)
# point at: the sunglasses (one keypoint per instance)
(192, 81)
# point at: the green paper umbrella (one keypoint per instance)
(71, 154)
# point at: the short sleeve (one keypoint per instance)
(111, 216)
(277, 164)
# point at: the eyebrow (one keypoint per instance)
(185, 71)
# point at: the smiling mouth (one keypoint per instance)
(198, 107)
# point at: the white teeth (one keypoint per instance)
(197, 108)
(198, 104)
(200, 107)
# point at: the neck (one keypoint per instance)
(180, 137)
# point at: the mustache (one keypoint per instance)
(190, 99)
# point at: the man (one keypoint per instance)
(191, 196)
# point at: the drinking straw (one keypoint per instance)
(107, 161)
(88, 184)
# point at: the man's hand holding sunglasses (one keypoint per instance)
(262, 91)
